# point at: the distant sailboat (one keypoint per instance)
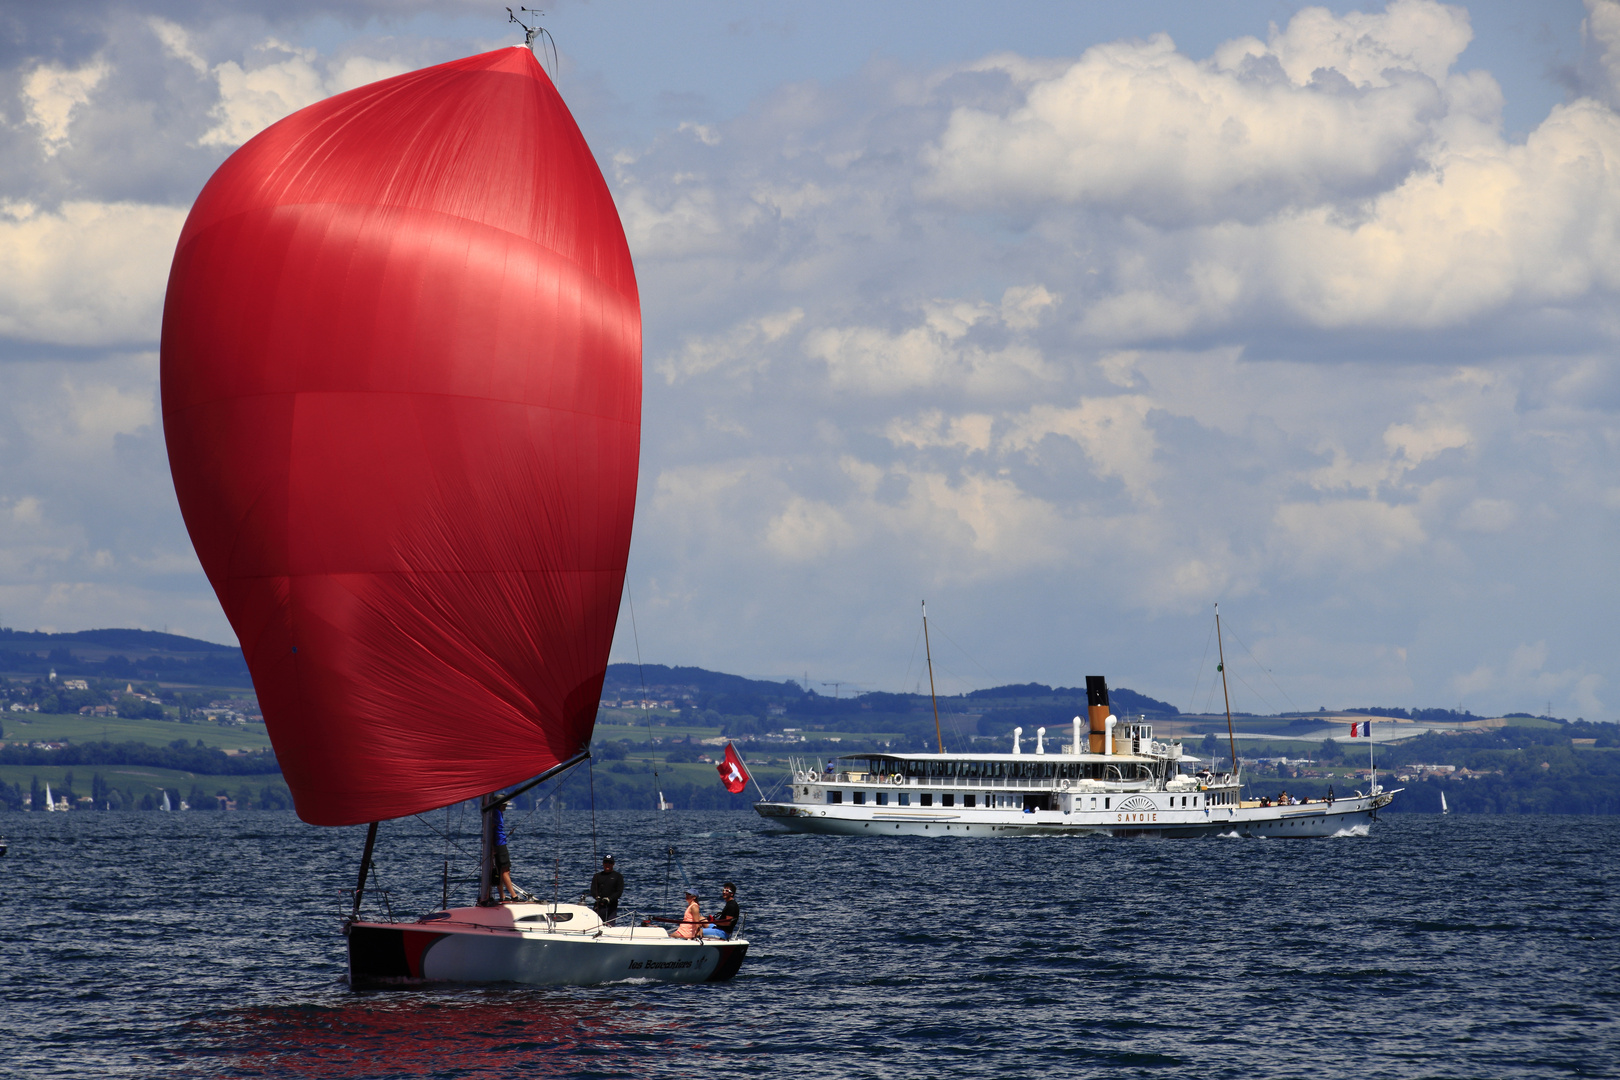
(662, 805)
(166, 807)
(50, 802)
(1443, 808)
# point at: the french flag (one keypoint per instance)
(1362, 730)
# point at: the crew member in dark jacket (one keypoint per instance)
(607, 886)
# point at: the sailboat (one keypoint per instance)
(1444, 809)
(50, 802)
(664, 804)
(166, 808)
(401, 385)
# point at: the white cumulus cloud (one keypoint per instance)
(1328, 107)
(252, 96)
(54, 94)
(940, 349)
(88, 273)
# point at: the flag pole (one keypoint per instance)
(1372, 771)
(749, 771)
(931, 695)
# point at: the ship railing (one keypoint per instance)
(883, 781)
(623, 920)
(634, 919)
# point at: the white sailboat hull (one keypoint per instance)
(520, 943)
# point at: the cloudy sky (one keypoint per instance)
(1071, 319)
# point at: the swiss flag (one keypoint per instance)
(732, 773)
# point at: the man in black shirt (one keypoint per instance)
(725, 924)
(607, 886)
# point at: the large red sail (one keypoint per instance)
(402, 399)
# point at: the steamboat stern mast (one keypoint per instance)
(1231, 739)
(929, 653)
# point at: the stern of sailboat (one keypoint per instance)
(382, 954)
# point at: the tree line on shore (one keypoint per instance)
(204, 794)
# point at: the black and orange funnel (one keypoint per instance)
(1097, 710)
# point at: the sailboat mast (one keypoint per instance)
(929, 652)
(1231, 739)
(486, 861)
(365, 865)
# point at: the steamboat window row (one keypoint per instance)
(883, 771)
(997, 801)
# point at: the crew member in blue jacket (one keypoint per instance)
(503, 859)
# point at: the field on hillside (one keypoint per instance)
(633, 726)
(52, 727)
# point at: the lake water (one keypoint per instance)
(204, 945)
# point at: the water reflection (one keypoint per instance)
(457, 1033)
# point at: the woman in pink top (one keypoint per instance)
(692, 922)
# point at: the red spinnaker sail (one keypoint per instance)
(402, 398)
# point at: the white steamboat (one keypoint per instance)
(1120, 782)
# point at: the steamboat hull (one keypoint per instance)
(1283, 822)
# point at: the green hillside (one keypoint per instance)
(122, 654)
(57, 727)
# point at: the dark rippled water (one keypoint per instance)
(208, 945)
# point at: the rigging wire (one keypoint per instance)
(591, 763)
(1262, 667)
(910, 663)
(556, 831)
(1262, 698)
(379, 888)
(989, 678)
(635, 635)
(516, 829)
(448, 842)
(669, 858)
(954, 708)
(686, 879)
(1199, 680)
